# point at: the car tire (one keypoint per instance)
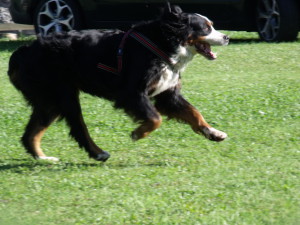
(277, 20)
(57, 16)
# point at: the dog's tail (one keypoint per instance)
(15, 63)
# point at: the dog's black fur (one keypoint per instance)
(53, 70)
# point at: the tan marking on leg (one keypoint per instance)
(193, 117)
(200, 126)
(146, 128)
(36, 147)
(36, 144)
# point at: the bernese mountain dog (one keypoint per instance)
(149, 58)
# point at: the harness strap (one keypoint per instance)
(151, 46)
(121, 50)
(108, 68)
(142, 40)
(119, 56)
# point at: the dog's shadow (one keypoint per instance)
(25, 165)
(15, 165)
(21, 166)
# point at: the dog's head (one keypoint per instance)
(195, 30)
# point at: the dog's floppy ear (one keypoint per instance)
(176, 9)
(171, 12)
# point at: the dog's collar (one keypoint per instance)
(142, 40)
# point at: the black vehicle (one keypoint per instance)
(274, 20)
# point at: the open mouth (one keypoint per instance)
(205, 50)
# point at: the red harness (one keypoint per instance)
(142, 40)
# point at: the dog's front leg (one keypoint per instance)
(146, 128)
(200, 126)
(172, 104)
(140, 108)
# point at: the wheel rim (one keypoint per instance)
(55, 16)
(268, 19)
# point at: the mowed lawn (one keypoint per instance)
(252, 92)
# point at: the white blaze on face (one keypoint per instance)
(215, 37)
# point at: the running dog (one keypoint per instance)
(139, 70)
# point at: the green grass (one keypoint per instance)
(175, 176)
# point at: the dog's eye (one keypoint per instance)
(206, 29)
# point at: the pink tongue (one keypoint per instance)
(207, 51)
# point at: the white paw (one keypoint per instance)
(214, 134)
(54, 159)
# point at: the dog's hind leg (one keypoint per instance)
(35, 129)
(71, 111)
(172, 104)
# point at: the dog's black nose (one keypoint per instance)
(226, 37)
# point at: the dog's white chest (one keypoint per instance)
(168, 79)
(170, 76)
